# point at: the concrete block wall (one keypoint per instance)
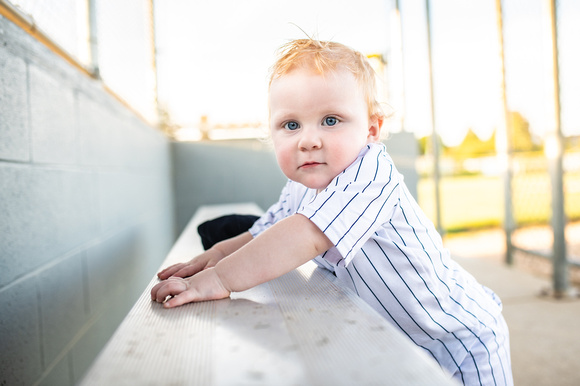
(247, 171)
(224, 172)
(86, 213)
(404, 150)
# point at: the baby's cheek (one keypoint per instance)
(284, 161)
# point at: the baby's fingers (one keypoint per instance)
(182, 298)
(187, 270)
(169, 287)
(169, 271)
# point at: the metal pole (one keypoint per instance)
(398, 63)
(154, 61)
(434, 136)
(503, 144)
(93, 40)
(555, 156)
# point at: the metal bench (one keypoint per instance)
(299, 329)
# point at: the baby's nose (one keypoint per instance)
(310, 139)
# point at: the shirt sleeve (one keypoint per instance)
(357, 202)
(291, 197)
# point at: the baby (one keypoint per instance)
(346, 206)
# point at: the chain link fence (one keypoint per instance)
(572, 199)
(546, 184)
(472, 174)
(126, 47)
(532, 203)
(65, 22)
(113, 40)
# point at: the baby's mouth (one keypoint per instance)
(307, 165)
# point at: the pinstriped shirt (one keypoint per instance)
(389, 253)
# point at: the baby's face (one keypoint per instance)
(319, 124)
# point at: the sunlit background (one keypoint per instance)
(218, 66)
(214, 63)
(212, 57)
(198, 70)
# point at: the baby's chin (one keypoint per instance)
(312, 181)
(318, 187)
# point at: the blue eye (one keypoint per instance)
(330, 121)
(291, 125)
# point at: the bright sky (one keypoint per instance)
(213, 57)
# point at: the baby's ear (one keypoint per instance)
(375, 125)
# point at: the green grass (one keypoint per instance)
(475, 202)
(467, 202)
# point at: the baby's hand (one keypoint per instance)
(205, 285)
(181, 270)
(206, 260)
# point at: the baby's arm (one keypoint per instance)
(207, 259)
(278, 250)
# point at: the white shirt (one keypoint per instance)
(390, 254)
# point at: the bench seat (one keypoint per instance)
(299, 329)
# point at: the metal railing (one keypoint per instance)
(541, 180)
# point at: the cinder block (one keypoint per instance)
(241, 171)
(130, 144)
(46, 213)
(97, 335)
(53, 119)
(88, 347)
(14, 136)
(62, 305)
(60, 374)
(111, 266)
(157, 240)
(404, 149)
(104, 137)
(94, 132)
(20, 357)
(122, 198)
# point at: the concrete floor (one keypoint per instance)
(544, 331)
